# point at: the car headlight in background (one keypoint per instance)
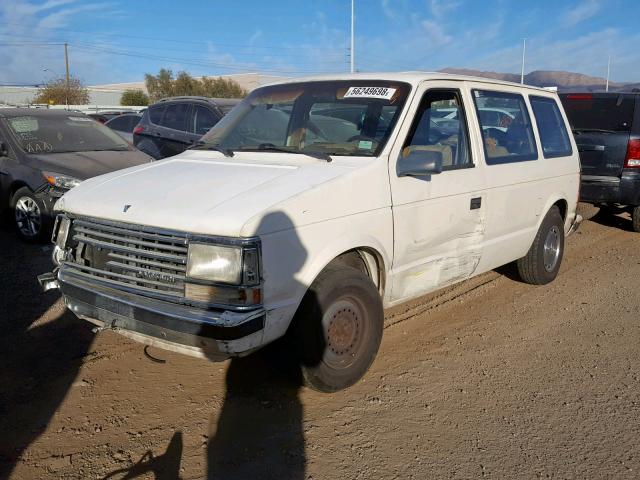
(64, 182)
(235, 271)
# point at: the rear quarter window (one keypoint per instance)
(551, 127)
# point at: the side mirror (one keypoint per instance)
(4, 150)
(419, 163)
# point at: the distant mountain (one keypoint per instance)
(565, 81)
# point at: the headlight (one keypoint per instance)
(58, 180)
(237, 267)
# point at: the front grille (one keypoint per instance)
(129, 256)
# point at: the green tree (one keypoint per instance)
(134, 98)
(166, 85)
(57, 92)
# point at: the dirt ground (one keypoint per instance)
(490, 379)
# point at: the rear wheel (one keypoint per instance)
(338, 328)
(635, 219)
(30, 217)
(542, 262)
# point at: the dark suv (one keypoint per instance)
(606, 127)
(174, 124)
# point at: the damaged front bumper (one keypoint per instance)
(212, 334)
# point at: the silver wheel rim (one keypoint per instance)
(552, 249)
(344, 328)
(28, 216)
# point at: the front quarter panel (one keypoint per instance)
(293, 258)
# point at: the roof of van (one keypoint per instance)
(409, 77)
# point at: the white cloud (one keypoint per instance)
(440, 8)
(435, 33)
(581, 12)
(37, 25)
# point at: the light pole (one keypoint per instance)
(606, 88)
(524, 50)
(352, 36)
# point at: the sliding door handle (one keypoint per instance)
(476, 203)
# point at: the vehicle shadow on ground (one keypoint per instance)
(620, 220)
(163, 467)
(41, 352)
(259, 432)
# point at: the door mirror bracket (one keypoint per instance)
(419, 163)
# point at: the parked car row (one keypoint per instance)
(44, 153)
(314, 204)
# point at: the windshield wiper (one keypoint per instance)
(273, 148)
(592, 130)
(201, 145)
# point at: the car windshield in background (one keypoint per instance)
(606, 113)
(59, 134)
(332, 117)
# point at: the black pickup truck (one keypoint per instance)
(606, 127)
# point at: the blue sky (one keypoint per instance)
(116, 41)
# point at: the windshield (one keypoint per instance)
(58, 134)
(330, 117)
(606, 112)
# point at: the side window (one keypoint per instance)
(507, 134)
(156, 112)
(440, 126)
(175, 117)
(551, 127)
(203, 120)
(133, 122)
(119, 123)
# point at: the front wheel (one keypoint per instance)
(31, 220)
(338, 329)
(542, 262)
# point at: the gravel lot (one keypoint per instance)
(489, 379)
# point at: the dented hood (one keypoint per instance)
(200, 192)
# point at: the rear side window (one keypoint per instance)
(203, 120)
(175, 116)
(156, 112)
(506, 128)
(553, 133)
(592, 112)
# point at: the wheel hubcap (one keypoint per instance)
(28, 216)
(552, 249)
(343, 325)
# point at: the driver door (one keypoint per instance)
(439, 219)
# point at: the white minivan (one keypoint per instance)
(312, 206)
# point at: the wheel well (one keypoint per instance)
(368, 261)
(563, 207)
(15, 186)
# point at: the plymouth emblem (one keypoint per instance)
(126, 207)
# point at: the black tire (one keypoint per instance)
(635, 219)
(535, 267)
(148, 147)
(337, 329)
(30, 216)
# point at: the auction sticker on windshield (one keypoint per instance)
(370, 92)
